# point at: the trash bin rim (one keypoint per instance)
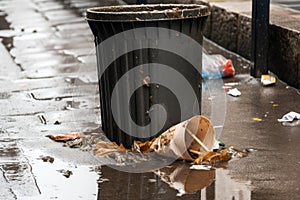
(107, 13)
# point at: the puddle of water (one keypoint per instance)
(75, 81)
(15, 169)
(72, 105)
(82, 183)
(176, 181)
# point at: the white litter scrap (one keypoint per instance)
(289, 117)
(234, 92)
(200, 167)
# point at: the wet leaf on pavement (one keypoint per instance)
(65, 137)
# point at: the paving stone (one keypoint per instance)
(8, 68)
(64, 92)
(49, 6)
(14, 105)
(73, 26)
(87, 59)
(59, 14)
(22, 85)
(65, 70)
(40, 63)
(80, 51)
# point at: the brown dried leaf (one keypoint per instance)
(122, 148)
(225, 155)
(212, 157)
(198, 160)
(103, 148)
(65, 137)
(144, 147)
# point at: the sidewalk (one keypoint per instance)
(48, 81)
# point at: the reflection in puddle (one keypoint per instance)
(53, 184)
(176, 181)
(228, 188)
(186, 181)
(15, 169)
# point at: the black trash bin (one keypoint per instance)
(147, 55)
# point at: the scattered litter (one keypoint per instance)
(266, 114)
(238, 153)
(222, 144)
(102, 180)
(212, 157)
(65, 137)
(267, 80)
(103, 148)
(47, 159)
(200, 167)
(257, 119)
(234, 92)
(249, 150)
(289, 117)
(216, 66)
(275, 104)
(57, 122)
(74, 143)
(231, 84)
(152, 180)
(216, 146)
(65, 173)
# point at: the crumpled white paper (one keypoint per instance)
(289, 117)
(200, 167)
(234, 92)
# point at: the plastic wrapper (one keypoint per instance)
(216, 66)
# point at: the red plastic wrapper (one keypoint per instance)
(228, 69)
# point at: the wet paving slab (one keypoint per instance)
(53, 95)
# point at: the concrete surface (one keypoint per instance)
(48, 75)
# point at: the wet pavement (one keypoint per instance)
(49, 85)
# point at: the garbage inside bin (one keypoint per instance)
(134, 44)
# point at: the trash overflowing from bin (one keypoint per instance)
(192, 140)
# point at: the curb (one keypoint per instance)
(232, 30)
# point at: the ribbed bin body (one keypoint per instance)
(129, 53)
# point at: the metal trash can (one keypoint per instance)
(144, 54)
